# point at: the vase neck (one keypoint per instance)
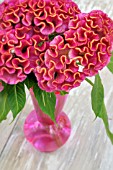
(42, 117)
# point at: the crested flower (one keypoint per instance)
(93, 34)
(54, 40)
(56, 71)
(25, 26)
(81, 51)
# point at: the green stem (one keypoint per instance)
(89, 81)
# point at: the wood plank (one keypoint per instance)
(5, 130)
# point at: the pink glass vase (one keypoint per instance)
(42, 132)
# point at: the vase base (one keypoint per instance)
(47, 137)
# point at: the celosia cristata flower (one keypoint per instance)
(25, 26)
(56, 71)
(82, 50)
(54, 40)
(93, 34)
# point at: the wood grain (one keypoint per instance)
(88, 147)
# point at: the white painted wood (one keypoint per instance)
(5, 131)
(88, 147)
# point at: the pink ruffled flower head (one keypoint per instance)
(25, 26)
(56, 71)
(93, 35)
(14, 65)
(81, 51)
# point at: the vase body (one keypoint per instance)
(44, 134)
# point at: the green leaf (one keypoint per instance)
(103, 115)
(4, 106)
(63, 93)
(46, 101)
(30, 81)
(97, 95)
(110, 65)
(98, 106)
(16, 98)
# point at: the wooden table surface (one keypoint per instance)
(88, 147)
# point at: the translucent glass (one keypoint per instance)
(42, 132)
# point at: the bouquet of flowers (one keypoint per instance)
(52, 47)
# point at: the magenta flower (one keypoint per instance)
(82, 50)
(93, 35)
(56, 71)
(53, 40)
(25, 27)
(14, 65)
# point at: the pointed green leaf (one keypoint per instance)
(97, 95)
(103, 115)
(29, 82)
(4, 107)
(98, 106)
(16, 98)
(46, 101)
(110, 65)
